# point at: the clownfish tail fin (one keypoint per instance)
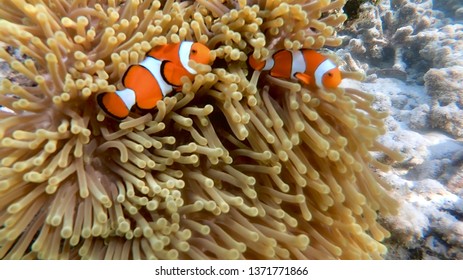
(255, 64)
(113, 105)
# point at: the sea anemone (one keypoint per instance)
(238, 165)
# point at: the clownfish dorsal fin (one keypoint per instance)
(304, 78)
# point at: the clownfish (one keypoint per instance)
(307, 66)
(156, 76)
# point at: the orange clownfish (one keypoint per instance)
(156, 76)
(307, 66)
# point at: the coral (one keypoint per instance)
(235, 166)
(428, 224)
(446, 49)
(428, 181)
(451, 8)
(352, 7)
(398, 29)
(392, 29)
(444, 86)
(426, 47)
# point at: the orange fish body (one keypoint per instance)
(307, 66)
(156, 76)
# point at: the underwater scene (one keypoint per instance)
(231, 129)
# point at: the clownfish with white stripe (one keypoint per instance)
(152, 79)
(307, 66)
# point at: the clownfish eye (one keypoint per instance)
(193, 51)
(330, 74)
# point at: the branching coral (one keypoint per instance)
(232, 167)
(395, 28)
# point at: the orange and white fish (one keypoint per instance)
(307, 66)
(156, 76)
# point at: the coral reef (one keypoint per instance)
(425, 47)
(451, 8)
(428, 225)
(445, 50)
(444, 85)
(428, 183)
(352, 7)
(235, 166)
(395, 29)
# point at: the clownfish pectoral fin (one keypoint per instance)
(113, 105)
(173, 73)
(255, 64)
(303, 78)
